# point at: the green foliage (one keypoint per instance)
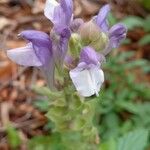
(45, 91)
(46, 143)
(145, 40)
(109, 145)
(70, 116)
(123, 103)
(133, 21)
(112, 19)
(57, 141)
(147, 24)
(13, 137)
(42, 105)
(135, 140)
(145, 3)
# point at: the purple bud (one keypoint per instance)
(117, 33)
(75, 24)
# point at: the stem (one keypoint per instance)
(73, 119)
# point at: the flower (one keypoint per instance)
(81, 38)
(87, 76)
(116, 33)
(60, 14)
(96, 35)
(37, 53)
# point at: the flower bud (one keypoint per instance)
(75, 44)
(75, 24)
(91, 35)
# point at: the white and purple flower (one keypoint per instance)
(47, 52)
(87, 76)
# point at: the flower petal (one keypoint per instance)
(42, 44)
(24, 56)
(89, 56)
(50, 8)
(60, 14)
(67, 6)
(101, 19)
(60, 39)
(48, 73)
(87, 81)
(63, 13)
(117, 33)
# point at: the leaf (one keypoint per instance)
(43, 105)
(136, 63)
(136, 140)
(145, 40)
(147, 24)
(112, 19)
(46, 143)
(129, 106)
(13, 137)
(146, 4)
(46, 92)
(109, 145)
(133, 21)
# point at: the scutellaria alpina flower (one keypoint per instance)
(37, 53)
(60, 14)
(116, 34)
(87, 76)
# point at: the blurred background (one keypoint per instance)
(123, 110)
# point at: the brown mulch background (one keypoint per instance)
(16, 96)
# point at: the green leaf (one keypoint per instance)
(136, 140)
(146, 4)
(13, 137)
(112, 19)
(129, 106)
(46, 143)
(109, 145)
(45, 91)
(133, 21)
(136, 63)
(147, 24)
(145, 40)
(42, 105)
